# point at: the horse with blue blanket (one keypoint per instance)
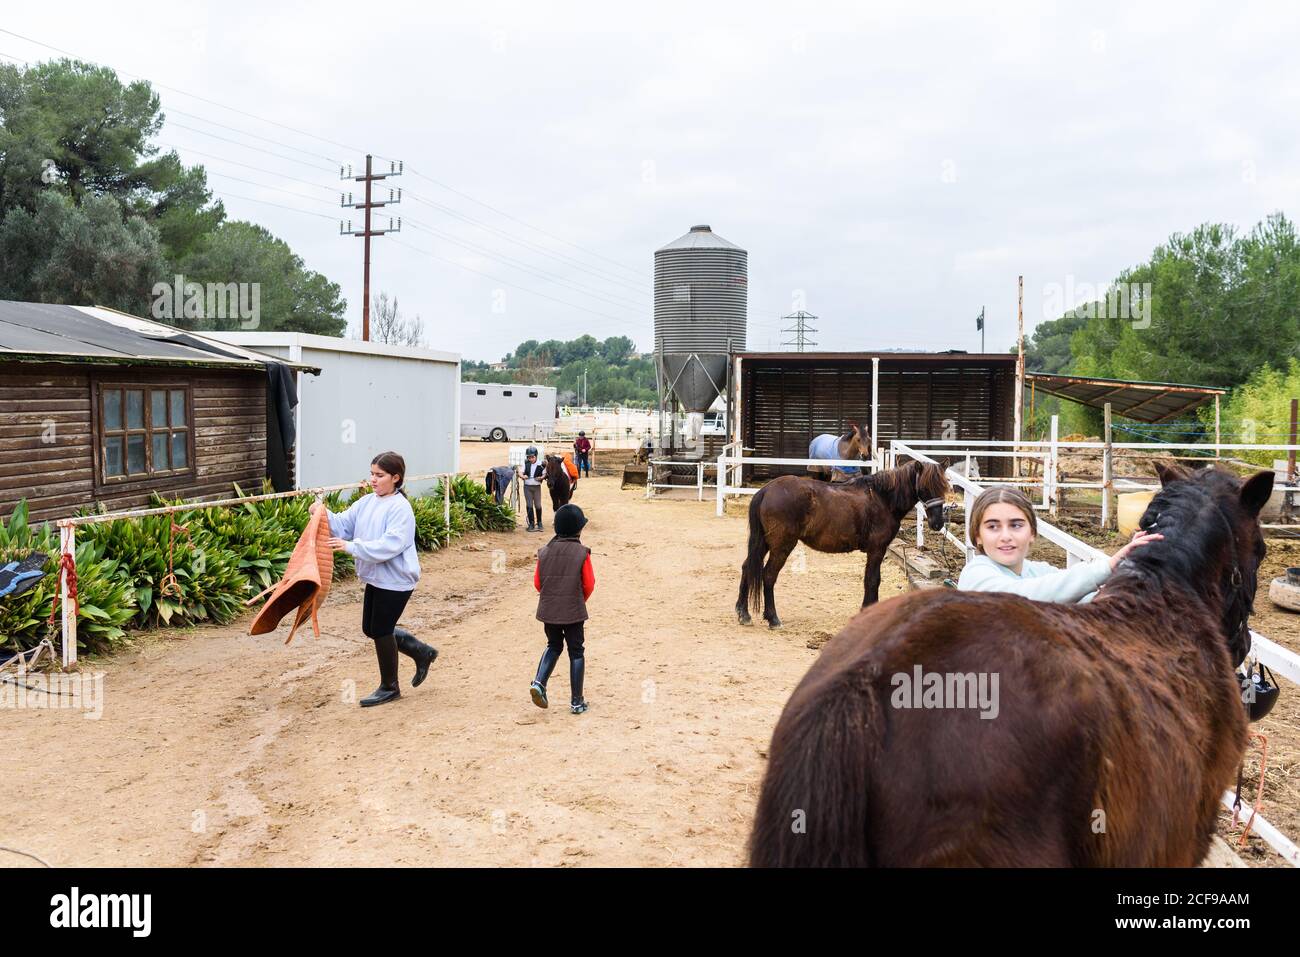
(853, 444)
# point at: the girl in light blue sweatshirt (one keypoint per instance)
(378, 531)
(1002, 527)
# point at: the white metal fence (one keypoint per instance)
(732, 462)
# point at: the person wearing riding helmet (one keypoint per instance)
(565, 579)
(582, 446)
(1002, 528)
(533, 472)
(378, 531)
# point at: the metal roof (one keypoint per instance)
(970, 358)
(700, 237)
(1144, 401)
(95, 335)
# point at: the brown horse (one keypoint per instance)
(558, 481)
(860, 514)
(1115, 725)
(853, 444)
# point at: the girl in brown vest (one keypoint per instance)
(565, 578)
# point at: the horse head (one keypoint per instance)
(1210, 514)
(931, 488)
(858, 442)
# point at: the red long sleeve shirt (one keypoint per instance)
(588, 578)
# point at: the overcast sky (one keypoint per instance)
(890, 169)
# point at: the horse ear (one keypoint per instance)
(1169, 472)
(1255, 492)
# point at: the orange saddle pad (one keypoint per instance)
(305, 584)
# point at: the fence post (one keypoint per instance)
(1107, 472)
(920, 527)
(446, 506)
(699, 478)
(722, 478)
(68, 546)
(1054, 494)
(967, 502)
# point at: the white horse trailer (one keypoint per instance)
(500, 413)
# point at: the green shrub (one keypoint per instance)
(224, 556)
(106, 600)
(209, 583)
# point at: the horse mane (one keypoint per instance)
(898, 486)
(1195, 527)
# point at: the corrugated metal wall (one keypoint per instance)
(787, 402)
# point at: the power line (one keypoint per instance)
(292, 209)
(414, 172)
(246, 146)
(621, 323)
(259, 169)
(278, 189)
(195, 96)
(597, 272)
(235, 129)
(617, 301)
(323, 139)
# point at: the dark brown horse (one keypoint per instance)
(862, 514)
(558, 481)
(1111, 731)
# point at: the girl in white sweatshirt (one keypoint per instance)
(378, 531)
(1002, 527)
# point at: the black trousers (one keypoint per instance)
(380, 610)
(558, 635)
(584, 462)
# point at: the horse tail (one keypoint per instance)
(812, 808)
(751, 573)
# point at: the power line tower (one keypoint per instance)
(345, 201)
(799, 330)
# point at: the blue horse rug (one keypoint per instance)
(828, 447)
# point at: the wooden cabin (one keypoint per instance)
(97, 406)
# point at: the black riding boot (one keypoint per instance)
(531, 521)
(386, 652)
(412, 647)
(577, 703)
(544, 668)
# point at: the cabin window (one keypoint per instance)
(481, 391)
(532, 395)
(507, 392)
(144, 430)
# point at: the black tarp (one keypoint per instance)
(281, 397)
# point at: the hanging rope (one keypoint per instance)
(170, 586)
(1259, 793)
(67, 566)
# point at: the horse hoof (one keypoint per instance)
(745, 619)
(774, 623)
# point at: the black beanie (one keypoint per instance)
(569, 520)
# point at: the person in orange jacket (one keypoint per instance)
(565, 579)
(572, 471)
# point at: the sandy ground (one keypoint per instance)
(215, 748)
(218, 748)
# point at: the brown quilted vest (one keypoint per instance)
(560, 562)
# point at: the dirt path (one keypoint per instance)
(217, 748)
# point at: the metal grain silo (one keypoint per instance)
(701, 302)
